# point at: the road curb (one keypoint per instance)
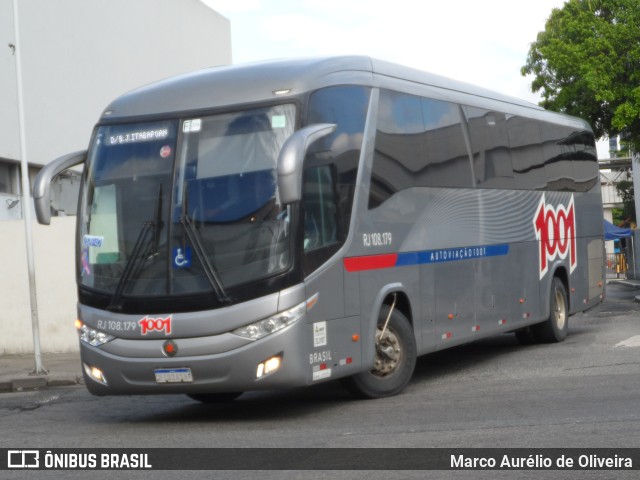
(26, 384)
(626, 283)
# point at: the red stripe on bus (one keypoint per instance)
(372, 262)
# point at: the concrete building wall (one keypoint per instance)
(77, 56)
(55, 279)
(9, 128)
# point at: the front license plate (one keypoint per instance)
(173, 375)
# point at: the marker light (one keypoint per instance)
(91, 336)
(269, 366)
(95, 374)
(272, 324)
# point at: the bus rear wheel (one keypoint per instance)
(555, 328)
(394, 362)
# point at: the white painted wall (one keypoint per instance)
(54, 248)
(9, 140)
(77, 56)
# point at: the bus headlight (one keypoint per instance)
(93, 337)
(272, 324)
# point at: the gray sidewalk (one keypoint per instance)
(630, 283)
(15, 371)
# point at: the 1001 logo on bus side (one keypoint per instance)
(556, 232)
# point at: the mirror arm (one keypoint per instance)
(291, 158)
(42, 183)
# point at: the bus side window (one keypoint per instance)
(322, 217)
(346, 106)
(492, 153)
(419, 143)
(320, 212)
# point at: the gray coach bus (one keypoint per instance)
(285, 223)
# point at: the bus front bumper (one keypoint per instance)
(285, 359)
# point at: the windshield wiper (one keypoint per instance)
(136, 254)
(134, 258)
(209, 270)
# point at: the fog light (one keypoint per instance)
(269, 366)
(95, 374)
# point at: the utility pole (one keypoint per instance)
(27, 200)
(635, 170)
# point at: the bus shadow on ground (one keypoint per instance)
(462, 361)
(285, 404)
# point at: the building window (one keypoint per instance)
(8, 178)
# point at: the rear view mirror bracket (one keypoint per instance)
(291, 159)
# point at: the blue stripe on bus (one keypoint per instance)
(450, 255)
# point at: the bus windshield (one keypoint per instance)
(183, 207)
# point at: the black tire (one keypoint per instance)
(554, 329)
(214, 397)
(395, 359)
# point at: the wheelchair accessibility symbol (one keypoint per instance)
(181, 257)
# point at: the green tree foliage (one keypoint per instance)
(625, 190)
(587, 63)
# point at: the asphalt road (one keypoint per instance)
(495, 393)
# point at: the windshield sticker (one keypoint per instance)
(194, 125)
(92, 241)
(136, 137)
(278, 121)
(86, 270)
(165, 151)
(182, 257)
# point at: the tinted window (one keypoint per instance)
(446, 156)
(526, 153)
(419, 143)
(570, 158)
(511, 151)
(345, 106)
(320, 212)
(331, 170)
(557, 163)
(489, 138)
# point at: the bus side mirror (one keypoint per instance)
(42, 183)
(291, 159)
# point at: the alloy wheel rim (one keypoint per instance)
(560, 311)
(388, 352)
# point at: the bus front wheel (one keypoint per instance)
(394, 362)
